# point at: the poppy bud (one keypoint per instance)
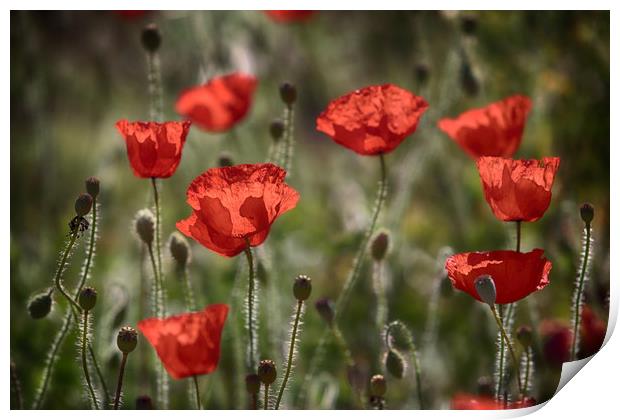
(252, 383)
(83, 204)
(151, 38)
(524, 335)
(225, 159)
(40, 305)
(395, 364)
(485, 286)
(469, 83)
(267, 371)
(92, 186)
(302, 287)
(179, 249)
(325, 307)
(400, 337)
(485, 386)
(276, 129)
(469, 24)
(378, 386)
(87, 298)
(144, 402)
(587, 213)
(288, 93)
(380, 245)
(127, 339)
(145, 225)
(421, 73)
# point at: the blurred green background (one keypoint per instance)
(74, 74)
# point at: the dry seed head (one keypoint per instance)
(587, 213)
(378, 386)
(87, 298)
(276, 129)
(380, 245)
(288, 93)
(302, 287)
(127, 339)
(151, 38)
(92, 186)
(267, 371)
(83, 204)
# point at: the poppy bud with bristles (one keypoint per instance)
(92, 186)
(151, 38)
(127, 339)
(276, 129)
(325, 308)
(302, 287)
(485, 287)
(380, 245)
(225, 159)
(288, 93)
(145, 225)
(144, 402)
(400, 337)
(378, 386)
(252, 383)
(587, 213)
(524, 335)
(87, 298)
(267, 372)
(179, 249)
(40, 305)
(83, 204)
(395, 364)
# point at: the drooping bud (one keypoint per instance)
(395, 364)
(145, 225)
(302, 287)
(380, 245)
(276, 129)
(400, 337)
(288, 93)
(144, 402)
(127, 339)
(469, 24)
(83, 204)
(151, 38)
(524, 335)
(252, 383)
(179, 249)
(325, 308)
(267, 371)
(92, 186)
(225, 159)
(485, 286)
(587, 213)
(378, 386)
(87, 298)
(40, 305)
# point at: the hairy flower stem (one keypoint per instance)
(190, 302)
(250, 320)
(155, 89)
(379, 289)
(162, 379)
(16, 387)
(266, 399)
(61, 269)
(515, 361)
(289, 141)
(197, 389)
(160, 271)
(578, 296)
(119, 383)
(527, 364)
(291, 352)
(91, 391)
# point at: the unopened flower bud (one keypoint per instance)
(325, 308)
(40, 305)
(378, 386)
(469, 83)
(400, 337)
(288, 93)
(267, 371)
(524, 335)
(395, 364)
(144, 402)
(145, 225)
(87, 298)
(252, 383)
(151, 38)
(179, 249)
(83, 204)
(302, 287)
(380, 245)
(485, 286)
(276, 129)
(587, 213)
(92, 186)
(225, 159)
(127, 340)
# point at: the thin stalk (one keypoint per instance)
(155, 89)
(161, 382)
(250, 320)
(418, 377)
(528, 367)
(61, 268)
(291, 352)
(16, 387)
(91, 391)
(188, 291)
(99, 374)
(289, 142)
(160, 272)
(155, 299)
(379, 289)
(119, 383)
(515, 361)
(579, 294)
(266, 401)
(518, 225)
(91, 250)
(197, 389)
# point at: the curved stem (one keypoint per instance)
(266, 400)
(91, 250)
(197, 389)
(61, 269)
(93, 397)
(119, 383)
(579, 294)
(250, 326)
(510, 347)
(291, 352)
(418, 377)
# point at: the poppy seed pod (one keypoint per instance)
(380, 245)
(144, 402)
(83, 204)
(395, 364)
(225, 159)
(302, 287)
(288, 93)
(87, 298)
(267, 371)
(179, 249)
(127, 339)
(378, 386)
(524, 335)
(40, 305)
(92, 186)
(325, 308)
(151, 38)
(485, 286)
(276, 129)
(587, 213)
(145, 225)
(252, 383)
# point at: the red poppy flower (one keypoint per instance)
(130, 14)
(154, 149)
(556, 339)
(494, 130)
(187, 344)
(517, 190)
(592, 332)
(515, 274)
(220, 103)
(462, 401)
(236, 204)
(288, 16)
(372, 120)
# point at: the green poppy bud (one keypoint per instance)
(395, 364)
(288, 93)
(524, 335)
(325, 308)
(40, 305)
(380, 245)
(179, 249)
(302, 287)
(87, 298)
(144, 402)
(145, 225)
(276, 129)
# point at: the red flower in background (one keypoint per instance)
(515, 274)
(130, 14)
(462, 401)
(288, 16)
(236, 204)
(372, 120)
(187, 344)
(495, 130)
(556, 339)
(220, 103)
(517, 190)
(154, 149)
(592, 332)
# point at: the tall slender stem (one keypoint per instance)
(515, 361)
(61, 269)
(119, 384)
(250, 320)
(197, 389)
(291, 352)
(158, 245)
(16, 387)
(189, 293)
(266, 401)
(518, 225)
(85, 364)
(418, 377)
(528, 362)
(579, 294)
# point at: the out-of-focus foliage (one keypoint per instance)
(74, 74)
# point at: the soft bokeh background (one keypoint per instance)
(74, 74)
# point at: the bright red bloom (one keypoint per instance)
(372, 120)
(462, 401)
(592, 332)
(556, 339)
(187, 344)
(494, 130)
(236, 204)
(154, 149)
(288, 16)
(220, 103)
(515, 274)
(518, 190)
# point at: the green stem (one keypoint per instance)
(160, 272)
(93, 397)
(155, 90)
(579, 294)
(99, 374)
(91, 250)
(379, 288)
(289, 142)
(291, 352)
(528, 362)
(515, 361)
(119, 384)
(250, 320)
(518, 224)
(197, 389)
(156, 308)
(61, 268)
(418, 377)
(266, 401)
(16, 387)
(189, 293)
